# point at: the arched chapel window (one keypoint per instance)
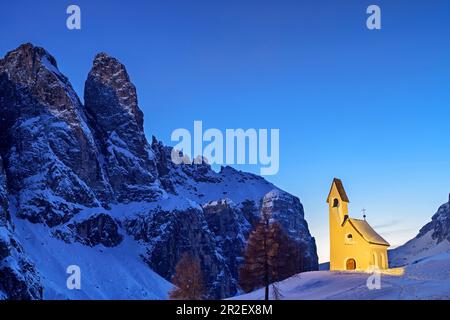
(349, 238)
(335, 203)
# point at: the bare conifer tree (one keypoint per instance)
(270, 256)
(188, 279)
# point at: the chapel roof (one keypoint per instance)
(367, 232)
(340, 189)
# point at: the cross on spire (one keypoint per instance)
(363, 211)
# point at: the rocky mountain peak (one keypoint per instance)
(117, 123)
(87, 174)
(24, 63)
(35, 70)
(432, 239)
(51, 161)
(439, 225)
(109, 74)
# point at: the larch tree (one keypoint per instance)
(188, 279)
(270, 256)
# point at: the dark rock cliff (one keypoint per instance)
(89, 175)
(18, 277)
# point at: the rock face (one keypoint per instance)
(432, 239)
(18, 277)
(97, 229)
(49, 152)
(117, 123)
(88, 175)
(439, 225)
(171, 233)
(230, 229)
(288, 210)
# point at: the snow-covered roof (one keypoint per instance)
(367, 232)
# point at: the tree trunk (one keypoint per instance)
(266, 262)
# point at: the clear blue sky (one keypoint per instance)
(370, 107)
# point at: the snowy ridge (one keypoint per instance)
(433, 239)
(85, 187)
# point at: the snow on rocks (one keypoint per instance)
(84, 180)
(433, 239)
(18, 277)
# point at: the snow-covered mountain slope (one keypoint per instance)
(427, 279)
(106, 272)
(423, 272)
(417, 249)
(18, 276)
(433, 239)
(85, 179)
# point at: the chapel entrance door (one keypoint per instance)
(351, 264)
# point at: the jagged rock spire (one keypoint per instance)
(114, 116)
(63, 161)
(53, 163)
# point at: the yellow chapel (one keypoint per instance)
(354, 244)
